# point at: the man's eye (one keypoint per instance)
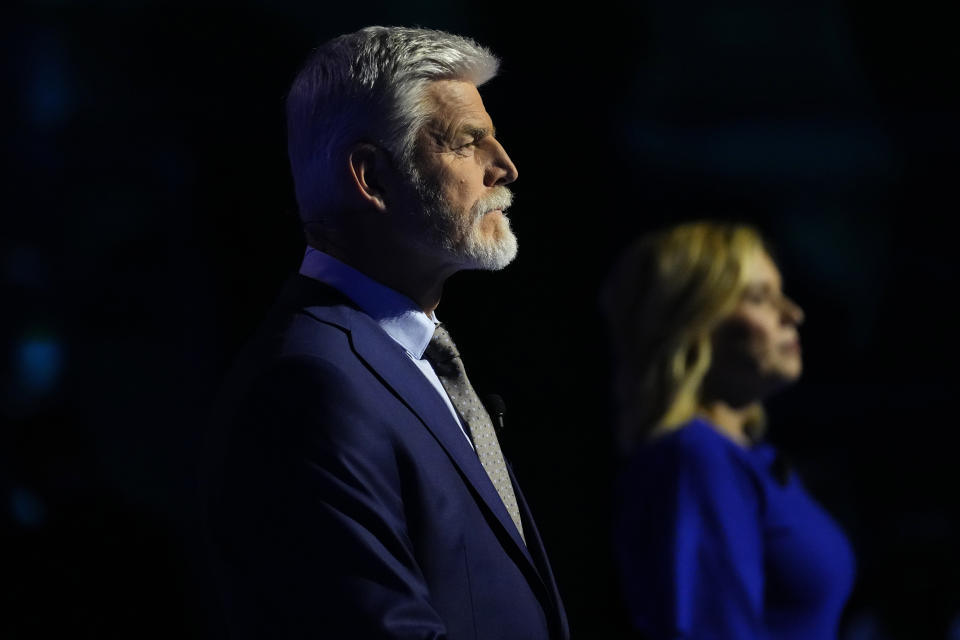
(465, 149)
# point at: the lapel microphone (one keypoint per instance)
(496, 407)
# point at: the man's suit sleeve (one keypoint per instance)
(311, 518)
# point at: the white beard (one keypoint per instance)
(459, 234)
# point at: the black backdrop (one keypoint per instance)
(148, 221)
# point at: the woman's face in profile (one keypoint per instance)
(756, 349)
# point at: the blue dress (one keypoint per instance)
(712, 547)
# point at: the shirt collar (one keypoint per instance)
(396, 314)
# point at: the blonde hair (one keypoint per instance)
(663, 301)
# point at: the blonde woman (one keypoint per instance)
(715, 539)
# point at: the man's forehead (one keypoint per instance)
(458, 104)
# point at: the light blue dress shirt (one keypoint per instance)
(394, 312)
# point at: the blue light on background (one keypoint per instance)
(39, 363)
(48, 95)
(26, 508)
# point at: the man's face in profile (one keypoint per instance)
(461, 173)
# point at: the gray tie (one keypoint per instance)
(443, 355)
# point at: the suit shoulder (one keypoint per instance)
(292, 331)
(311, 400)
(308, 335)
(301, 358)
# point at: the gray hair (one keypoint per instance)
(369, 86)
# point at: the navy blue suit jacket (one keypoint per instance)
(347, 503)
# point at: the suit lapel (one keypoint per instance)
(390, 363)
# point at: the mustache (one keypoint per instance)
(500, 198)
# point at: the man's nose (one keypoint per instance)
(501, 170)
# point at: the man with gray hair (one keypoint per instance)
(362, 491)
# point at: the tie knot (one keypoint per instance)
(441, 348)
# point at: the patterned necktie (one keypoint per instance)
(443, 355)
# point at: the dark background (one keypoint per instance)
(149, 220)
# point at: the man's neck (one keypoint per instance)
(400, 268)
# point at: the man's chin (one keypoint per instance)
(491, 257)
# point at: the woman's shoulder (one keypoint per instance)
(694, 464)
(698, 450)
(700, 440)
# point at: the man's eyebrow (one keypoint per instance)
(477, 133)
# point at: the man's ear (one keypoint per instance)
(370, 170)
